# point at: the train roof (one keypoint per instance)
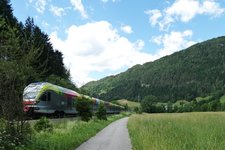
(39, 87)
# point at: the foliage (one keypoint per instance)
(62, 82)
(177, 131)
(26, 55)
(128, 105)
(68, 135)
(101, 113)
(83, 106)
(43, 125)
(12, 137)
(138, 110)
(148, 104)
(14, 71)
(193, 72)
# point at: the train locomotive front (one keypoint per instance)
(46, 98)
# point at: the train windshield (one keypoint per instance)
(32, 90)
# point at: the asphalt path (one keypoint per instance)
(114, 137)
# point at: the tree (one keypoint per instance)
(126, 107)
(6, 12)
(26, 55)
(147, 104)
(84, 109)
(14, 70)
(101, 113)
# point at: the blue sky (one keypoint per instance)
(105, 37)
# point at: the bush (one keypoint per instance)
(126, 107)
(137, 110)
(101, 113)
(148, 104)
(43, 125)
(14, 134)
(83, 106)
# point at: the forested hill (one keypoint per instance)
(196, 71)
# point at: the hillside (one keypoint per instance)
(196, 71)
(130, 104)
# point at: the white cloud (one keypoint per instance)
(139, 44)
(97, 47)
(57, 11)
(40, 5)
(126, 29)
(211, 8)
(154, 14)
(172, 42)
(78, 6)
(184, 11)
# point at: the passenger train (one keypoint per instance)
(43, 98)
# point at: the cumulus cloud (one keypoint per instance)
(126, 29)
(40, 5)
(57, 11)
(78, 6)
(172, 42)
(97, 47)
(184, 11)
(154, 14)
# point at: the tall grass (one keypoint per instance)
(184, 131)
(68, 135)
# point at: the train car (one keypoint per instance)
(43, 98)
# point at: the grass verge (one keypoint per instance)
(68, 135)
(178, 131)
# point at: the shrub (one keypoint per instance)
(126, 108)
(137, 110)
(101, 113)
(148, 104)
(43, 125)
(83, 106)
(14, 133)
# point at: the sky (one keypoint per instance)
(99, 38)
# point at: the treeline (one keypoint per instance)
(26, 55)
(214, 102)
(197, 71)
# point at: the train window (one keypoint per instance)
(49, 96)
(43, 97)
(69, 102)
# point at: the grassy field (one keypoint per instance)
(180, 131)
(129, 103)
(68, 135)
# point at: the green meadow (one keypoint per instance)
(68, 135)
(178, 131)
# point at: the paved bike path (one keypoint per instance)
(114, 137)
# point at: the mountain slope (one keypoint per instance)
(196, 71)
